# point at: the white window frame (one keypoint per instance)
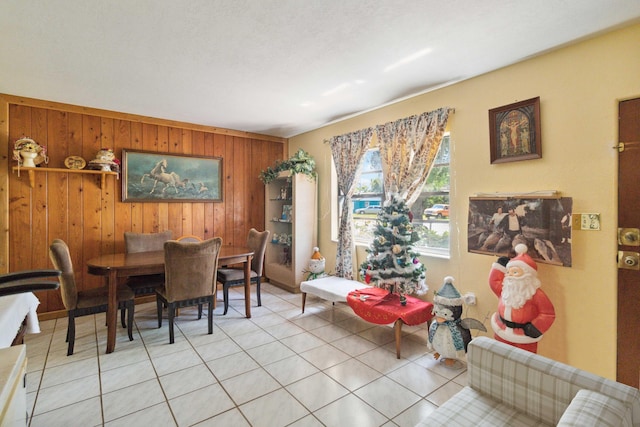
(423, 250)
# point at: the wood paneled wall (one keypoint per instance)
(92, 220)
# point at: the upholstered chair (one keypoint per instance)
(257, 241)
(190, 278)
(82, 303)
(145, 242)
(189, 238)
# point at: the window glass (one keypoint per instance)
(430, 211)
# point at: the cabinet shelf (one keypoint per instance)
(282, 221)
(285, 264)
(32, 171)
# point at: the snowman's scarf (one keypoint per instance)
(456, 336)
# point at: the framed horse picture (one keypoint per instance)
(162, 177)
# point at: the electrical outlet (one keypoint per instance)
(469, 298)
(590, 221)
(585, 221)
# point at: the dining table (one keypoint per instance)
(117, 265)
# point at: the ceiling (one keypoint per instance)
(276, 67)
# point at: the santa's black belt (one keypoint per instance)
(511, 324)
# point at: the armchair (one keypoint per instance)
(18, 304)
(21, 281)
(509, 386)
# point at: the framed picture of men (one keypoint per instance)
(514, 132)
(497, 225)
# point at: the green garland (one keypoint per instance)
(300, 162)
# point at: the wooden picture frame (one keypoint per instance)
(514, 132)
(542, 223)
(162, 177)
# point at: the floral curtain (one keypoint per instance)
(347, 151)
(407, 149)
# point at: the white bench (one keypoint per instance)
(331, 288)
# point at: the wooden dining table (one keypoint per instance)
(114, 266)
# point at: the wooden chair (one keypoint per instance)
(82, 303)
(145, 242)
(190, 278)
(257, 241)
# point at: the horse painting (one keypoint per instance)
(165, 177)
(159, 174)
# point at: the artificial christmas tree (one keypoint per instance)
(392, 264)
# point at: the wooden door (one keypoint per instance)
(628, 359)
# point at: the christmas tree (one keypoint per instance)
(392, 264)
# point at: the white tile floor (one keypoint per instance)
(279, 368)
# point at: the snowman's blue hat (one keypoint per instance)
(448, 294)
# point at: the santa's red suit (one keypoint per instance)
(523, 315)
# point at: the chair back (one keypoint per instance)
(257, 241)
(189, 238)
(190, 268)
(61, 259)
(145, 242)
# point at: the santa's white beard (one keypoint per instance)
(518, 290)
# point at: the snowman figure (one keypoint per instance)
(449, 334)
(316, 265)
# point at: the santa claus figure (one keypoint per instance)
(525, 312)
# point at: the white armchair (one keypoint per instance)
(512, 387)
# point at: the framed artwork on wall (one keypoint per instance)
(497, 224)
(514, 132)
(162, 177)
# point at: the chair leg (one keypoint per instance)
(199, 311)
(171, 309)
(258, 291)
(210, 315)
(159, 308)
(122, 315)
(130, 309)
(71, 333)
(225, 296)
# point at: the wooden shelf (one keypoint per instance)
(32, 171)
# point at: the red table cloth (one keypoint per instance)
(378, 306)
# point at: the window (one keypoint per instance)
(430, 211)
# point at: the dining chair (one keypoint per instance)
(90, 301)
(145, 242)
(189, 238)
(190, 279)
(256, 241)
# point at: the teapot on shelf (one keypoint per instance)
(105, 161)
